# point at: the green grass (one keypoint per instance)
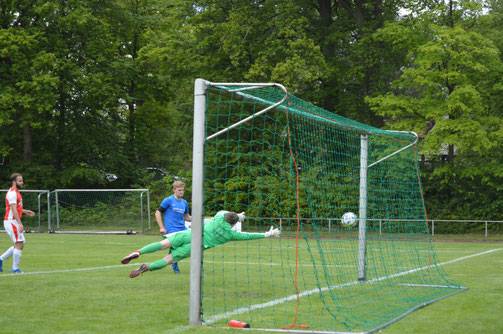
(59, 294)
(471, 237)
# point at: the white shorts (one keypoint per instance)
(12, 229)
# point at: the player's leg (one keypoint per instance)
(153, 247)
(176, 270)
(16, 255)
(8, 228)
(182, 250)
(153, 266)
(18, 239)
(8, 253)
(177, 253)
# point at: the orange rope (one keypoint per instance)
(298, 205)
(297, 237)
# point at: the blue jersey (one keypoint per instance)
(174, 210)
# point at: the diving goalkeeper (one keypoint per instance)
(216, 232)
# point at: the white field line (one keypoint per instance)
(300, 264)
(333, 249)
(239, 263)
(313, 291)
(136, 264)
(69, 270)
(95, 242)
(431, 286)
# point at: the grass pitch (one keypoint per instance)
(76, 284)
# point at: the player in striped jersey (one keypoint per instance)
(12, 222)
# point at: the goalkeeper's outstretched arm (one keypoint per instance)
(236, 236)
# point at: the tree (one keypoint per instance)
(27, 76)
(453, 81)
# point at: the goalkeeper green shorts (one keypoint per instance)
(180, 244)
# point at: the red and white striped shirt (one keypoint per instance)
(13, 197)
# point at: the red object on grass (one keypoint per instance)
(239, 324)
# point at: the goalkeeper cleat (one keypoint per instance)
(132, 256)
(1, 269)
(143, 268)
(175, 268)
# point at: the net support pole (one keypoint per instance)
(141, 212)
(362, 226)
(48, 210)
(38, 202)
(57, 208)
(148, 210)
(197, 202)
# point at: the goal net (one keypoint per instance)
(289, 164)
(99, 210)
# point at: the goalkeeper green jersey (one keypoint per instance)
(218, 232)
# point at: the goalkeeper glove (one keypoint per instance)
(273, 232)
(241, 217)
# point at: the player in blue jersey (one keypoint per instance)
(176, 212)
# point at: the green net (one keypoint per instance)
(298, 167)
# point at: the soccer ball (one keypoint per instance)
(349, 219)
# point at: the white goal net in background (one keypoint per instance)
(98, 210)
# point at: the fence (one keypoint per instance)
(37, 200)
(431, 223)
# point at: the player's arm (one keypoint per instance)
(186, 215)
(238, 235)
(158, 218)
(28, 213)
(13, 208)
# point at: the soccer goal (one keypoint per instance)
(38, 202)
(290, 164)
(100, 210)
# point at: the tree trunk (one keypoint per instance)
(27, 147)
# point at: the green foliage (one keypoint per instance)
(452, 81)
(90, 88)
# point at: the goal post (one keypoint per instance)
(197, 202)
(362, 222)
(290, 164)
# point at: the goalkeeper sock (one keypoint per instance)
(157, 265)
(153, 247)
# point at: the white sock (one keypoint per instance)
(16, 259)
(7, 254)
